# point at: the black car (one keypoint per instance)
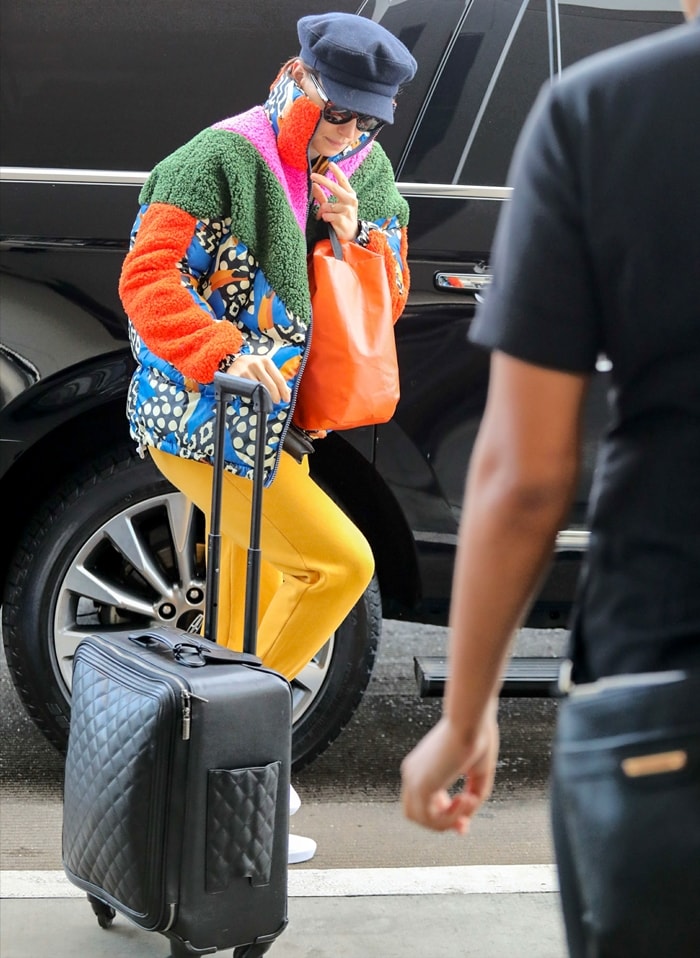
(94, 93)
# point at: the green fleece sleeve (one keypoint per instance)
(219, 175)
(377, 196)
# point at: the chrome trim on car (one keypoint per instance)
(40, 174)
(455, 191)
(568, 540)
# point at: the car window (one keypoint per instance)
(583, 28)
(501, 54)
(497, 62)
(587, 26)
(524, 66)
(427, 28)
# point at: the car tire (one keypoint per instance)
(95, 555)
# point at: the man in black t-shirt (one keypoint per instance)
(597, 253)
(600, 253)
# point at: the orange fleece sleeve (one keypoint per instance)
(398, 274)
(161, 299)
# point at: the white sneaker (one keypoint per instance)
(301, 849)
(294, 800)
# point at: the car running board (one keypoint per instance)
(531, 676)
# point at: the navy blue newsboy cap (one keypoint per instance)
(360, 62)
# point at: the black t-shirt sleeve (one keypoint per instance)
(541, 306)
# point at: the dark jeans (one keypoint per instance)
(571, 903)
(634, 842)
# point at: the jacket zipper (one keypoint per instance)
(293, 400)
(300, 372)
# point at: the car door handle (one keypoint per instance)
(469, 282)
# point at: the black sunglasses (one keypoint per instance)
(336, 115)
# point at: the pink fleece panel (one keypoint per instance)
(256, 128)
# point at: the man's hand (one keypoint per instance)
(436, 763)
(341, 211)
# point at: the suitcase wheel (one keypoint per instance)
(105, 913)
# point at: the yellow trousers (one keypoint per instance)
(316, 562)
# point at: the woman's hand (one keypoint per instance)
(342, 212)
(261, 369)
(436, 763)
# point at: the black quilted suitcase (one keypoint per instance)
(176, 802)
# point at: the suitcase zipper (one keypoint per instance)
(186, 697)
(186, 714)
(186, 694)
(160, 921)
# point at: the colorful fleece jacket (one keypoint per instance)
(217, 266)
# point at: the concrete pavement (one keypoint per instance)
(459, 912)
(367, 893)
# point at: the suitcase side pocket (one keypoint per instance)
(241, 806)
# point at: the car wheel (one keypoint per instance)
(118, 547)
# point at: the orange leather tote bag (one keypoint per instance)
(351, 376)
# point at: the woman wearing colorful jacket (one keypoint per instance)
(216, 279)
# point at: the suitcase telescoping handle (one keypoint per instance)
(225, 386)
